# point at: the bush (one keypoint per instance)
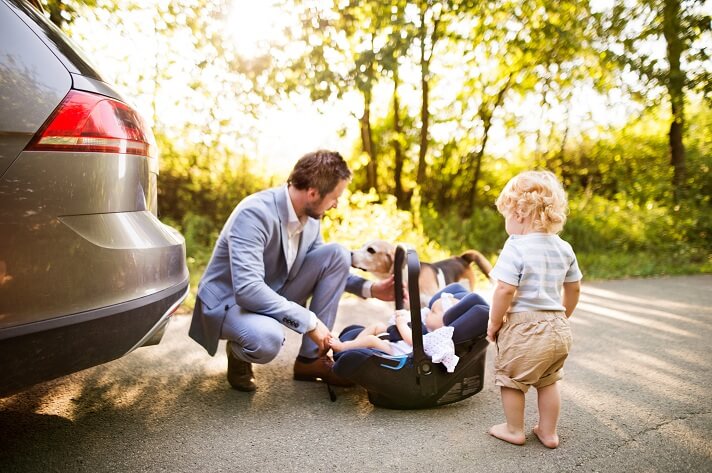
(613, 238)
(364, 217)
(200, 232)
(483, 232)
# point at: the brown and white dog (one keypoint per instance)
(377, 257)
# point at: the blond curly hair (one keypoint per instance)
(535, 194)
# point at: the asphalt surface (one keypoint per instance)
(636, 398)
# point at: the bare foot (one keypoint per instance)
(551, 441)
(502, 432)
(336, 344)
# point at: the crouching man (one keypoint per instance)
(269, 259)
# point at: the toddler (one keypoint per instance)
(528, 318)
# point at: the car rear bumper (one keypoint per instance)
(74, 264)
(74, 342)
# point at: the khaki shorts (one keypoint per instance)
(531, 349)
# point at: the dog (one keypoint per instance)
(377, 257)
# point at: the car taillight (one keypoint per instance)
(94, 123)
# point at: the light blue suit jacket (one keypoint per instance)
(249, 267)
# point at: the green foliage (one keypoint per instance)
(618, 265)
(630, 163)
(483, 232)
(364, 217)
(61, 12)
(623, 219)
(200, 232)
(204, 183)
(601, 225)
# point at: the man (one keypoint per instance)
(269, 259)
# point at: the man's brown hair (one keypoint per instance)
(321, 170)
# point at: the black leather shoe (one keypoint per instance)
(239, 373)
(319, 369)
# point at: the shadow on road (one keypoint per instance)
(636, 397)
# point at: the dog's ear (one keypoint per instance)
(390, 258)
(391, 251)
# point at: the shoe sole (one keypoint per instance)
(248, 389)
(302, 377)
(340, 384)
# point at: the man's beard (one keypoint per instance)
(310, 210)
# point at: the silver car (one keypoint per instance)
(87, 271)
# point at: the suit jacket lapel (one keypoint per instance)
(308, 236)
(280, 200)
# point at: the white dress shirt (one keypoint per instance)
(295, 226)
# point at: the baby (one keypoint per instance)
(376, 335)
(454, 315)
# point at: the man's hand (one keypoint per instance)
(320, 335)
(385, 290)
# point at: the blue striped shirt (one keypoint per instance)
(538, 264)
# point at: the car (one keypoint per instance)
(88, 272)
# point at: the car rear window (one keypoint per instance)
(69, 53)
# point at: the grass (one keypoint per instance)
(620, 265)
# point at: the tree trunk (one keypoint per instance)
(397, 148)
(425, 93)
(425, 119)
(367, 143)
(675, 86)
(539, 152)
(478, 166)
(486, 115)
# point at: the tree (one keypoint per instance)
(344, 49)
(684, 29)
(64, 12)
(521, 50)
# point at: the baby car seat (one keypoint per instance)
(413, 381)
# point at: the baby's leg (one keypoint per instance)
(469, 323)
(362, 341)
(511, 431)
(374, 329)
(549, 407)
(456, 289)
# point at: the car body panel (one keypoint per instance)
(92, 270)
(92, 85)
(57, 42)
(42, 82)
(45, 183)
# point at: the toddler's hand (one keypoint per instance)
(492, 332)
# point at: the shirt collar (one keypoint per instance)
(294, 225)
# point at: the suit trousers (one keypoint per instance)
(258, 338)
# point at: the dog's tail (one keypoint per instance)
(474, 256)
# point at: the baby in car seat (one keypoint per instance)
(397, 339)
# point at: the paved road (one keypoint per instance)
(637, 397)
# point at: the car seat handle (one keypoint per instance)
(398, 265)
(413, 266)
